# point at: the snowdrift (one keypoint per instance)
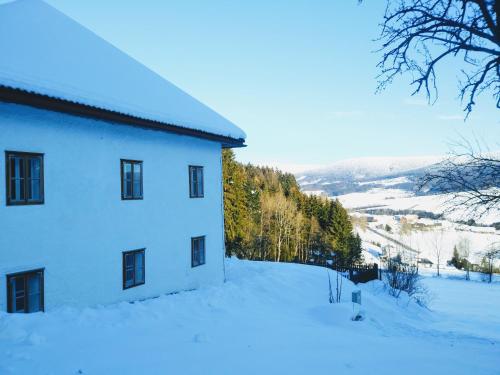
(267, 318)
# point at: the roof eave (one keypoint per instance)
(33, 99)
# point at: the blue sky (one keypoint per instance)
(298, 76)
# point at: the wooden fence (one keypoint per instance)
(357, 274)
(360, 274)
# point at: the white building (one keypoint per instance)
(113, 188)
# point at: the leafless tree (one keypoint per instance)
(437, 247)
(463, 248)
(490, 256)
(419, 35)
(470, 177)
(279, 216)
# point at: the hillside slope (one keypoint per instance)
(268, 318)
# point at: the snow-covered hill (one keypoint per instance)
(370, 167)
(268, 318)
(385, 183)
(363, 174)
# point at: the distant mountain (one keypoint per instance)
(364, 174)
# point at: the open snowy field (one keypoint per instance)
(437, 235)
(268, 318)
(426, 242)
(397, 199)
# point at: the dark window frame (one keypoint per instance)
(122, 177)
(191, 182)
(25, 156)
(198, 263)
(124, 268)
(26, 274)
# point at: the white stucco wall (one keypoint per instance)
(79, 233)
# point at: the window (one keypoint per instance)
(133, 268)
(25, 292)
(24, 173)
(197, 251)
(131, 172)
(195, 182)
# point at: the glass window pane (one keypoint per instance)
(34, 293)
(14, 190)
(137, 189)
(194, 175)
(34, 167)
(18, 294)
(192, 180)
(202, 250)
(17, 167)
(139, 267)
(34, 190)
(129, 278)
(33, 172)
(129, 270)
(128, 189)
(137, 171)
(200, 181)
(137, 177)
(127, 179)
(17, 190)
(19, 304)
(20, 193)
(129, 260)
(13, 169)
(127, 170)
(198, 251)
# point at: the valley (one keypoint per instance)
(391, 215)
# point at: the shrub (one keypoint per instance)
(401, 277)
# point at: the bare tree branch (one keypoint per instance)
(418, 35)
(470, 178)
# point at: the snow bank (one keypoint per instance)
(269, 319)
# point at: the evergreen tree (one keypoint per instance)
(267, 217)
(236, 214)
(355, 250)
(456, 261)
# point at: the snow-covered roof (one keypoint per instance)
(43, 51)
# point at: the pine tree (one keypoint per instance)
(267, 217)
(355, 250)
(456, 261)
(236, 214)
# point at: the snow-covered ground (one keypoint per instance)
(397, 199)
(268, 318)
(435, 235)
